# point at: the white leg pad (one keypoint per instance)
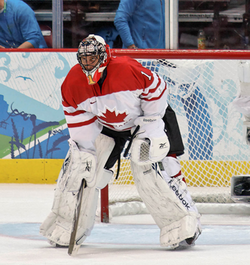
(168, 201)
(178, 230)
(58, 225)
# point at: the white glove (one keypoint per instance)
(151, 142)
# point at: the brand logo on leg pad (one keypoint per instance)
(174, 188)
(88, 166)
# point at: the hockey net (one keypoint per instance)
(202, 86)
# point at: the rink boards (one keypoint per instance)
(46, 171)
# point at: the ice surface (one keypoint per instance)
(125, 240)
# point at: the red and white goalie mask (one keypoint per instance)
(93, 55)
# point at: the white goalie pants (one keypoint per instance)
(168, 201)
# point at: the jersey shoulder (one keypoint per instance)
(127, 68)
(75, 73)
(74, 78)
(124, 62)
(75, 88)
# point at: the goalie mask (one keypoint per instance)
(96, 47)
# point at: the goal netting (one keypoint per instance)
(202, 86)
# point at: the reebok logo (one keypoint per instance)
(162, 145)
(149, 120)
(88, 166)
(177, 193)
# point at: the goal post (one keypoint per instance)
(202, 86)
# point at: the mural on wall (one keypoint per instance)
(22, 135)
(32, 123)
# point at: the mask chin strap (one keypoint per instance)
(96, 70)
(91, 81)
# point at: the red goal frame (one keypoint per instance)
(182, 54)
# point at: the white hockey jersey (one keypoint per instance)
(128, 91)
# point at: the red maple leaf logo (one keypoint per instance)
(113, 116)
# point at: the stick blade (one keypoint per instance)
(73, 249)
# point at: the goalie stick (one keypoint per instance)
(73, 247)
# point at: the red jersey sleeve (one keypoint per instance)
(80, 122)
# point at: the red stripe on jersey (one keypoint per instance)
(152, 99)
(84, 123)
(74, 113)
(154, 89)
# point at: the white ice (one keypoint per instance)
(130, 240)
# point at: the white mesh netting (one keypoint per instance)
(201, 93)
